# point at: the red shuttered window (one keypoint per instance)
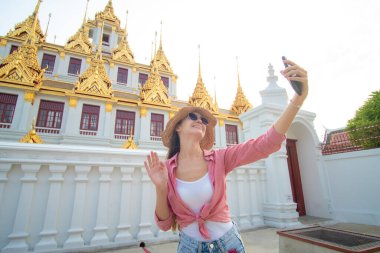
(90, 117)
(50, 114)
(156, 124)
(231, 134)
(7, 107)
(125, 122)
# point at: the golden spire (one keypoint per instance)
(154, 90)
(200, 96)
(108, 15)
(31, 136)
(123, 52)
(129, 143)
(241, 103)
(85, 13)
(160, 57)
(95, 80)
(80, 42)
(215, 101)
(24, 29)
(22, 66)
(47, 27)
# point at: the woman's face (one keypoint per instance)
(192, 128)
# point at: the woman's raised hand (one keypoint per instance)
(157, 171)
(296, 73)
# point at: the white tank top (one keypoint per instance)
(195, 194)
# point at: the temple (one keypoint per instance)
(92, 91)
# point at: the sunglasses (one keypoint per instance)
(194, 117)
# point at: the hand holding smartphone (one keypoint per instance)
(297, 86)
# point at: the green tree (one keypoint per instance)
(364, 128)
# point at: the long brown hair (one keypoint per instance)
(175, 146)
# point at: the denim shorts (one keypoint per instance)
(230, 242)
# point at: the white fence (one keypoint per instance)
(60, 198)
(354, 186)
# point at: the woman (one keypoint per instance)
(191, 184)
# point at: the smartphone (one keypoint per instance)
(297, 86)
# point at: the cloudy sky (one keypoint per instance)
(337, 41)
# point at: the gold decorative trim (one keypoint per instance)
(3, 42)
(221, 122)
(29, 96)
(129, 143)
(143, 111)
(73, 102)
(31, 136)
(109, 107)
(62, 54)
(171, 114)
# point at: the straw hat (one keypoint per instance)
(208, 140)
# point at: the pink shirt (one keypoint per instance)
(220, 163)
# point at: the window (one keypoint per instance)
(7, 107)
(90, 117)
(142, 78)
(156, 124)
(50, 114)
(91, 33)
(48, 60)
(106, 39)
(125, 122)
(13, 48)
(122, 76)
(165, 80)
(231, 134)
(74, 66)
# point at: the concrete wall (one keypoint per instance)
(354, 183)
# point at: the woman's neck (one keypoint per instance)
(190, 149)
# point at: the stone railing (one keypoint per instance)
(61, 198)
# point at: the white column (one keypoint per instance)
(4, 169)
(232, 195)
(242, 196)
(72, 123)
(18, 239)
(100, 229)
(146, 210)
(23, 124)
(279, 211)
(48, 241)
(75, 238)
(107, 124)
(255, 199)
(124, 235)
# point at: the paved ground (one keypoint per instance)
(263, 240)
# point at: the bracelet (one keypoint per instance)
(294, 104)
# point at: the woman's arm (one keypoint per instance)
(292, 73)
(158, 173)
(269, 142)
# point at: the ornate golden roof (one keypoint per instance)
(25, 29)
(241, 103)
(31, 136)
(108, 15)
(80, 41)
(22, 65)
(154, 90)
(95, 81)
(161, 59)
(123, 52)
(200, 96)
